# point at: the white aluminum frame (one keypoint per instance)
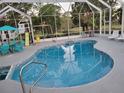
(110, 15)
(122, 24)
(100, 11)
(39, 1)
(10, 8)
(56, 1)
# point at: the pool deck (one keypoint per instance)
(113, 82)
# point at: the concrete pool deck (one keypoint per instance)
(113, 82)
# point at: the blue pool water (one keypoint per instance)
(72, 64)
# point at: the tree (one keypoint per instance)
(36, 7)
(120, 15)
(48, 13)
(24, 7)
(82, 8)
(78, 6)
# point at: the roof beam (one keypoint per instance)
(4, 9)
(100, 11)
(110, 14)
(9, 8)
(39, 1)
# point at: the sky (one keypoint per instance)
(121, 1)
(65, 7)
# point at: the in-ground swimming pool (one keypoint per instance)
(72, 64)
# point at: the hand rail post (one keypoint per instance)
(21, 79)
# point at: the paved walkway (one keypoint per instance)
(113, 82)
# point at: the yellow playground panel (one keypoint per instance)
(37, 39)
(27, 39)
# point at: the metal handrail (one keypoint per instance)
(21, 79)
(45, 70)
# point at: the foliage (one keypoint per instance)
(77, 7)
(48, 13)
(36, 20)
(117, 16)
(64, 22)
(24, 7)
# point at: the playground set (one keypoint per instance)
(23, 32)
(13, 39)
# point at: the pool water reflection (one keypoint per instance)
(68, 65)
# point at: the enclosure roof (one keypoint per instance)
(31, 1)
(41, 1)
(122, 1)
